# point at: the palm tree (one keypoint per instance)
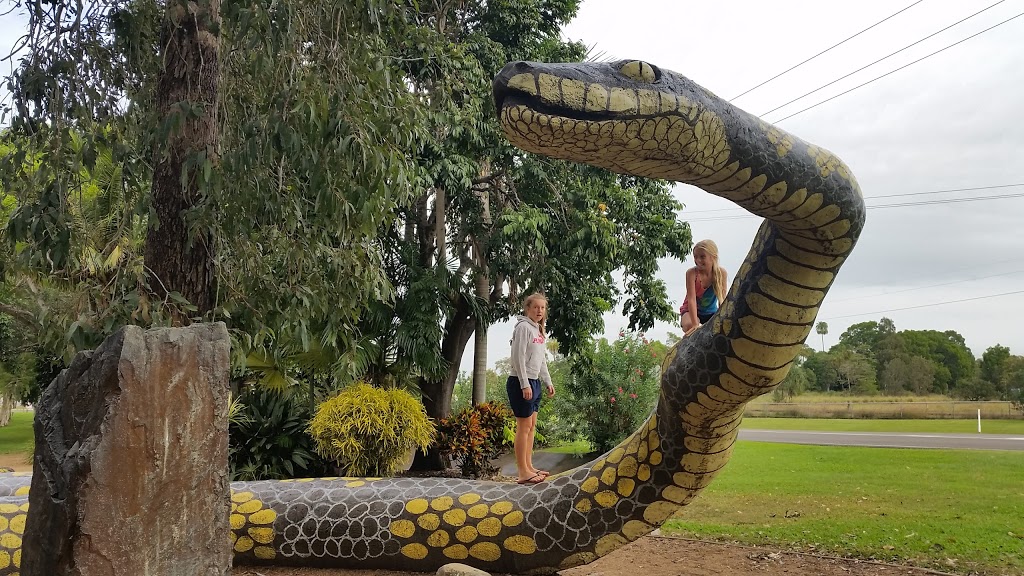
(822, 328)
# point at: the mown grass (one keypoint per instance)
(949, 509)
(854, 425)
(17, 435)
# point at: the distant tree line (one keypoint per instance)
(874, 358)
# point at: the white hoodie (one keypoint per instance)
(529, 354)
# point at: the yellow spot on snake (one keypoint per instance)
(468, 499)
(8, 508)
(655, 458)
(18, 524)
(616, 455)
(438, 539)
(415, 551)
(643, 473)
(265, 516)
(3, 523)
(5, 559)
(264, 553)
(514, 518)
(417, 506)
(598, 465)
(354, 484)
(403, 528)
(441, 504)
(501, 508)
(635, 529)
(236, 497)
(583, 505)
(590, 485)
(606, 498)
(659, 511)
(262, 535)
(597, 98)
(626, 486)
(578, 559)
(250, 507)
(608, 476)
(456, 517)
(489, 527)
(520, 544)
(237, 521)
(22, 491)
(466, 534)
(456, 552)
(429, 521)
(608, 543)
(478, 511)
(675, 494)
(243, 544)
(486, 551)
(627, 467)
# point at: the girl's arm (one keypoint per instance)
(691, 296)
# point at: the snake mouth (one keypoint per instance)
(506, 96)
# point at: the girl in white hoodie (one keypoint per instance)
(529, 371)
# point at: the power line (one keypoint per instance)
(880, 59)
(901, 205)
(898, 69)
(824, 51)
(926, 305)
(913, 289)
(976, 188)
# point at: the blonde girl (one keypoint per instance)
(529, 372)
(705, 287)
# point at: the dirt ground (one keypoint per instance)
(660, 556)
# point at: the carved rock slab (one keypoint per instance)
(130, 475)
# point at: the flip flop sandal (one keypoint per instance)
(535, 479)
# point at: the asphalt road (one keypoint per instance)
(889, 439)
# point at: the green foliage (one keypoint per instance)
(268, 438)
(370, 431)
(462, 397)
(613, 392)
(476, 435)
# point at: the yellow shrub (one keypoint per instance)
(368, 431)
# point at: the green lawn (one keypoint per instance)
(17, 435)
(858, 425)
(951, 509)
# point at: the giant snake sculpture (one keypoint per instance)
(633, 118)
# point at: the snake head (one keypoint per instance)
(628, 116)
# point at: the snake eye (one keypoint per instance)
(640, 71)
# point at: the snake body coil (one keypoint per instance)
(632, 118)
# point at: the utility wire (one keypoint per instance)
(824, 51)
(915, 288)
(880, 59)
(898, 69)
(926, 305)
(901, 205)
(893, 195)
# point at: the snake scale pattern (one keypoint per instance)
(633, 118)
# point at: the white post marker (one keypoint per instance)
(979, 420)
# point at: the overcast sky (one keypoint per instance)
(951, 121)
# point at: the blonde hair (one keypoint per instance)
(530, 300)
(717, 274)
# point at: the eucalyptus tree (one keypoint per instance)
(489, 224)
(262, 145)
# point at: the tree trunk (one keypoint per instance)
(437, 394)
(179, 260)
(483, 288)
